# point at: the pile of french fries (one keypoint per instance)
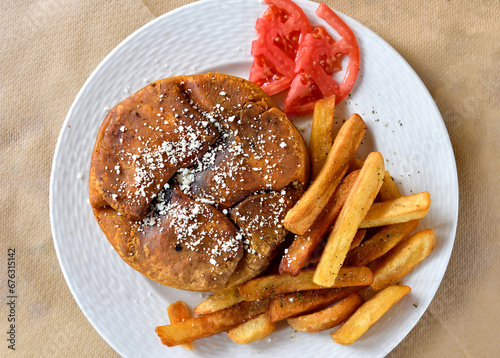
(355, 280)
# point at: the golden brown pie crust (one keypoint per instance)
(191, 177)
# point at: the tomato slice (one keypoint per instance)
(318, 58)
(347, 45)
(280, 31)
(303, 94)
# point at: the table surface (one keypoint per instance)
(49, 48)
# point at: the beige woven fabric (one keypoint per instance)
(48, 48)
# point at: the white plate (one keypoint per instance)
(404, 124)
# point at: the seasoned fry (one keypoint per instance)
(327, 318)
(388, 191)
(178, 312)
(303, 245)
(278, 284)
(372, 265)
(380, 243)
(398, 210)
(300, 218)
(210, 324)
(252, 330)
(403, 258)
(369, 313)
(358, 202)
(360, 235)
(321, 139)
(218, 301)
(355, 164)
(312, 261)
(298, 303)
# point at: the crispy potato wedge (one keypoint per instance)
(380, 243)
(398, 210)
(303, 246)
(218, 301)
(372, 265)
(403, 258)
(278, 284)
(178, 312)
(252, 330)
(389, 190)
(358, 202)
(369, 313)
(298, 303)
(355, 164)
(210, 324)
(327, 318)
(300, 218)
(358, 238)
(321, 139)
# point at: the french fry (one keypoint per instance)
(300, 218)
(303, 245)
(355, 164)
(327, 318)
(210, 324)
(369, 313)
(388, 191)
(380, 243)
(252, 330)
(403, 258)
(358, 238)
(278, 284)
(398, 210)
(372, 265)
(312, 261)
(321, 133)
(298, 303)
(358, 202)
(218, 301)
(178, 312)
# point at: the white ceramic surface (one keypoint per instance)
(404, 125)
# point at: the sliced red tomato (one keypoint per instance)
(302, 96)
(280, 31)
(318, 58)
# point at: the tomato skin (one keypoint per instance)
(302, 96)
(318, 58)
(349, 45)
(265, 73)
(292, 24)
(280, 31)
(313, 48)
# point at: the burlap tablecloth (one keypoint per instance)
(48, 48)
